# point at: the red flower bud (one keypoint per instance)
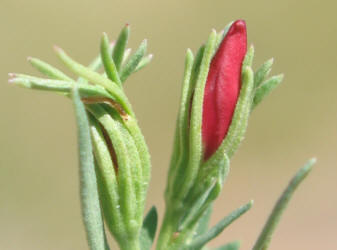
(223, 87)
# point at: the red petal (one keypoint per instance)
(223, 87)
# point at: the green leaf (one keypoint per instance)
(144, 62)
(48, 70)
(261, 74)
(85, 90)
(148, 230)
(265, 88)
(107, 180)
(180, 148)
(91, 210)
(201, 240)
(96, 64)
(197, 208)
(109, 65)
(230, 246)
(133, 62)
(264, 239)
(120, 46)
(95, 78)
(204, 221)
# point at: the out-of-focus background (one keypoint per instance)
(39, 204)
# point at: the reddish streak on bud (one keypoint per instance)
(223, 87)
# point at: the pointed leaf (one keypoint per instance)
(95, 78)
(120, 46)
(148, 230)
(85, 90)
(218, 228)
(261, 74)
(144, 62)
(91, 210)
(133, 62)
(204, 221)
(109, 64)
(265, 88)
(48, 70)
(230, 246)
(265, 237)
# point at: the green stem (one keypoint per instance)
(130, 244)
(167, 230)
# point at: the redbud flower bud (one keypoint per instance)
(223, 87)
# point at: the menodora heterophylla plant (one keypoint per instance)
(121, 160)
(219, 92)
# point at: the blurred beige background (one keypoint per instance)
(39, 206)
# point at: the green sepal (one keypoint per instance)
(120, 46)
(262, 72)
(48, 70)
(201, 240)
(195, 141)
(91, 210)
(214, 171)
(221, 35)
(248, 60)
(264, 238)
(265, 88)
(148, 230)
(229, 246)
(109, 64)
(134, 61)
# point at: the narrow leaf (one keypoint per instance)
(133, 62)
(109, 65)
(261, 74)
(218, 228)
(95, 78)
(265, 237)
(144, 62)
(119, 49)
(148, 230)
(197, 208)
(48, 70)
(96, 64)
(85, 90)
(91, 210)
(265, 88)
(230, 246)
(204, 221)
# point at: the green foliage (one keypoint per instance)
(91, 211)
(230, 246)
(148, 230)
(264, 239)
(115, 162)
